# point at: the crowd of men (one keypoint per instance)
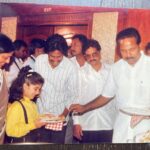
(82, 88)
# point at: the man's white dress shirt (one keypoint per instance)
(91, 86)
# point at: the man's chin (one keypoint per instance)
(131, 62)
(55, 65)
(74, 54)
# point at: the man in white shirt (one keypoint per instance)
(129, 81)
(60, 89)
(36, 48)
(16, 62)
(94, 126)
(6, 51)
(79, 42)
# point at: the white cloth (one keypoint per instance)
(13, 72)
(131, 85)
(92, 83)
(60, 88)
(30, 62)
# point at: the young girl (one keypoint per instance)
(23, 120)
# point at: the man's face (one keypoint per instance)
(55, 58)
(129, 49)
(76, 47)
(5, 58)
(92, 56)
(39, 51)
(21, 53)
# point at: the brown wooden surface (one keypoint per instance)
(42, 26)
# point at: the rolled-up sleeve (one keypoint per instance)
(110, 86)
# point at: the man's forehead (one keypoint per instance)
(91, 50)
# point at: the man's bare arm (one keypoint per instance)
(96, 103)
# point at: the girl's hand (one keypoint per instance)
(39, 123)
(48, 115)
(62, 117)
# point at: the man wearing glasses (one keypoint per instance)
(94, 126)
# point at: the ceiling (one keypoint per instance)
(21, 9)
(90, 3)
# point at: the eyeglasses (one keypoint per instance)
(95, 54)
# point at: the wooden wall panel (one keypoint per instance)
(69, 31)
(45, 25)
(140, 19)
(55, 19)
(29, 32)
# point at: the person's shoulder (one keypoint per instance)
(14, 105)
(42, 57)
(68, 61)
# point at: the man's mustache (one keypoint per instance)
(92, 60)
(72, 51)
(129, 58)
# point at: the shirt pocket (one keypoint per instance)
(143, 92)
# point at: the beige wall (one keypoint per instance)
(9, 26)
(104, 30)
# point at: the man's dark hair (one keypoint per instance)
(147, 47)
(18, 44)
(82, 38)
(36, 43)
(92, 43)
(129, 32)
(56, 42)
(6, 45)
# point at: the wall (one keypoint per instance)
(9, 26)
(104, 30)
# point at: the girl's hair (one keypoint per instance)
(26, 75)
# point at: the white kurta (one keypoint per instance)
(131, 85)
(91, 86)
